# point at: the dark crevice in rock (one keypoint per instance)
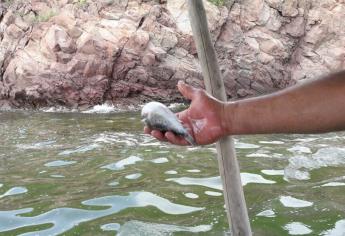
(106, 95)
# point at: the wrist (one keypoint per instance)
(228, 117)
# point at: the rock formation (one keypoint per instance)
(79, 53)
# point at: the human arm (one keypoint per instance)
(312, 107)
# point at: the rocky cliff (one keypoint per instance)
(85, 52)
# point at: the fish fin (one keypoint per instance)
(190, 140)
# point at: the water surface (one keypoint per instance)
(97, 174)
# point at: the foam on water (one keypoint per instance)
(120, 165)
(300, 149)
(57, 110)
(160, 160)
(297, 228)
(117, 137)
(14, 191)
(324, 157)
(81, 149)
(215, 182)
(138, 228)
(267, 213)
(289, 201)
(104, 108)
(194, 171)
(59, 163)
(133, 176)
(1, 185)
(291, 173)
(64, 219)
(338, 229)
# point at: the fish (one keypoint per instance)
(157, 116)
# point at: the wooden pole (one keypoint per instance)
(228, 165)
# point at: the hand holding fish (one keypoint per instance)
(314, 106)
(203, 119)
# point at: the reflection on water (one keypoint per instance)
(297, 228)
(137, 228)
(267, 213)
(14, 191)
(215, 182)
(93, 174)
(288, 201)
(120, 165)
(59, 163)
(64, 219)
(338, 230)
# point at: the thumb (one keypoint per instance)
(186, 90)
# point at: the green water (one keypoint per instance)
(92, 174)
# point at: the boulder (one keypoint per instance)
(78, 54)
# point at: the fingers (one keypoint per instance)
(147, 130)
(155, 133)
(159, 135)
(167, 137)
(186, 90)
(177, 140)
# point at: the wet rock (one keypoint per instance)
(81, 54)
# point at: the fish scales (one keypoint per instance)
(159, 117)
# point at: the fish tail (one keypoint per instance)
(190, 140)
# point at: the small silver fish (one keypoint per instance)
(158, 117)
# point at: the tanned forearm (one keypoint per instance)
(312, 107)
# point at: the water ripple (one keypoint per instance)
(81, 149)
(111, 227)
(324, 157)
(14, 191)
(215, 182)
(64, 219)
(138, 228)
(133, 176)
(288, 201)
(338, 229)
(120, 165)
(160, 160)
(59, 163)
(297, 228)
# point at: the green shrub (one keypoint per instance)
(44, 16)
(80, 3)
(218, 2)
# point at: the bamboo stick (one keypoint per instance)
(228, 164)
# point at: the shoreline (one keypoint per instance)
(105, 108)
